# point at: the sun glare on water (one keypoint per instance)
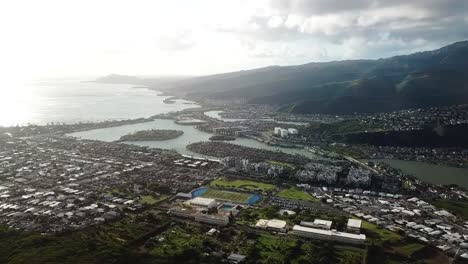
(15, 101)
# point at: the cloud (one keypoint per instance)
(360, 28)
(178, 40)
(202, 37)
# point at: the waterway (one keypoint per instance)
(432, 173)
(191, 135)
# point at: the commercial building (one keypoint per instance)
(354, 225)
(272, 224)
(315, 233)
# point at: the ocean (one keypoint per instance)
(73, 100)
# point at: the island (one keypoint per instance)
(151, 135)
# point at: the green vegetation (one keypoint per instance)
(277, 249)
(378, 235)
(149, 199)
(152, 135)
(180, 244)
(296, 194)
(251, 215)
(145, 239)
(459, 208)
(106, 243)
(273, 248)
(286, 165)
(242, 184)
(347, 151)
(229, 196)
(409, 249)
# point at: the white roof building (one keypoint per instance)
(315, 233)
(274, 224)
(284, 132)
(318, 223)
(202, 202)
(277, 130)
(354, 224)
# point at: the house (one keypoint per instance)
(236, 258)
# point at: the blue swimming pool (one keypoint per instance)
(227, 207)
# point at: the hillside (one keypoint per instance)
(438, 77)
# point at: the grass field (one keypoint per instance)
(378, 234)
(229, 196)
(242, 184)
(296, 194)
(148, 199)
(455, 207)
(409, 249)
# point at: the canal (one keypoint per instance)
(432, 173)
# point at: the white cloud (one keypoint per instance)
(57, 38)
(275, 21)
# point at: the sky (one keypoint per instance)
(46, 39)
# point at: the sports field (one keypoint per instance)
(242, 184)
(296, 194)
(227, 196)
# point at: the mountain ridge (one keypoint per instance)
(423, 79)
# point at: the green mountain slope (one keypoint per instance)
(438, 77)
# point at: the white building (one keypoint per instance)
(203, 202)
(278, 131)
(328, 235)
(293, 131)
(273, 224)
(318, 223)
(354, 225)
(284, 133)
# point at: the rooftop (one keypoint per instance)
(273, 223)
(328, 232)
(202, 201)
(354, 223)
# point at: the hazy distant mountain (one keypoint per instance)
(154, 82)
(116, 78)
(438, 77)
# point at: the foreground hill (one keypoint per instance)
(430, 78)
